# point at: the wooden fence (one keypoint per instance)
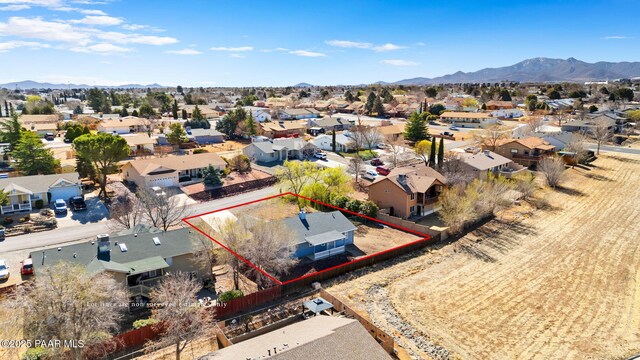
(234, 189)
(228, 309)
(408, 224)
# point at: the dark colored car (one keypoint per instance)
(77, 203)
(376, 162)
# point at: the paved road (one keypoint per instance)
(618, 149)
(89, 230)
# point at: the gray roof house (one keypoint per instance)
(25, 191)
(324, 142)
(588, 124)
(279, 150)
(199, 136)
(320, 234)
(138, 257)
(319, 338)
(330, 123)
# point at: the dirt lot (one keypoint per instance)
(372, 238)
(561, 283)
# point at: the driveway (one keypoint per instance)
(96, 212)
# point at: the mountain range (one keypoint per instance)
(537, 70)
(29, 84)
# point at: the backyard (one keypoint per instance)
(558, 281)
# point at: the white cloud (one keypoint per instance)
(98, 20)
(387, 47)
(14, 7)
(421, 43)
(81, 11)
(306, 53)
(349, 44)
(398, 62)
(184, 52)
(102, 49)
(10, 45)
(36, 28)
(237, 56)
(122, 38)
(232, 49)
(616, 37)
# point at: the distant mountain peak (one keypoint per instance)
(539, 69)
(302, 85)
(30, 84)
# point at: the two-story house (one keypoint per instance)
(526, 152)
(408, 191)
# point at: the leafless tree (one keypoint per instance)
(534, 123)
(552, 168)
(162, 210)
(149, 125)
(180, 317)
(561, 117)
(492, 135)
(126, 212)
(240, 163)
(358, 137)
(66, 302)
(234, 234)
(356, 165)
(395, 147)
(601, 133)
(455, 170)
(206, 251)
(578, 146)
(455, 209)
(371, 136)
(525, 183)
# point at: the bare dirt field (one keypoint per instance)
(372, 238)
(555, 283)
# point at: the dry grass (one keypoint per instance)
(270, 210)
(373, 238)
(194, 350)
(558, 283)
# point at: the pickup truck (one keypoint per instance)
(76, 203)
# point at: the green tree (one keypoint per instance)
(504, 95)
(250, 125)
(378, 107)
(432, 154)
(387, 97)
(98, 100)
(440, 152)
(78, 110)
(11, 130)
(553, 94)
(431, 92)
(31, 156)
(333, 141)
(437, 109)
(593, 109)
(416, 127)
(197, 114)
(174, 109)
(177, 136)
(625, 94)
(368, 106)
(370, 209)
(228, 125)
(146, 111)
(348, 96)
(211, 176)
(103, 151)
(531, 102)
(184, 114)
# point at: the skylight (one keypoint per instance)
(123, 247)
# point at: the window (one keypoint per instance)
(413, 196)
(169, 261)
(514, 151)
(412, 209)
(153, 273)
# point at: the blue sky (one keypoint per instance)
(279, 43)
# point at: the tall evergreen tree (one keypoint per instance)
(432, 153)
(10, 130)
(184, 114)
(368, 106)
(31, 156)
(378, 107)
(174, 109)
(440, 152)
(251, 127)
(416, 127)
(333, 140)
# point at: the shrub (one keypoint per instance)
(144, 322)
(48, 222)
(354, 205)
(46, 212)
(200, 151)
(340, 201)
(28, 229)
(37, 353)
(39, 204)
(370, 209)
(7, 221)
(240, 163)
(230, 295)
(25, 218)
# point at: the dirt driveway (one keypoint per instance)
(561, 283)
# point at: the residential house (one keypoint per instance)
(526, 152)
(260, 114)
(589, 124)
(507, 113)
(318, 338)
(320, 234)
(138, 258)
(169, 171)
(393, 132)
(24, 192)
(281, 129)
(27, 120)
(205, 136)
(499, 105)
(125, 125)
(297, 114)
(329, 123)
(482, 162)
(325, 142)
(43, 129)
(560, 140)
(279, 150)
(408, 191)
(205, 110)
(469, 119)
(140, 144)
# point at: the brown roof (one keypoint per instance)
(281, 126)
(530, 142)
(505, 104)
(391, 129)
(28, 119)
(415, 178)
(465, 115)
(41, 126)
(178, 163)
(138, 139)
(125, 121)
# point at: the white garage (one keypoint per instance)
(162, 182)
(64, 189)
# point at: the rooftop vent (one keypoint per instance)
(123, 247)
(487, 152)
(302, 215)
(156, 240)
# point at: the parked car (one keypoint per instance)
(446, 133)
(77, 203)
(381, 146)
(376, 162)
(454, 128)
(158, 191)
(383, 170)
(4, 270)
(26, 267)
(1, 234)
(49, 136)
(369, 175)
(60, 207)
(433, 123)
(320, 155)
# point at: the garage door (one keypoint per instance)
(166, 182)
(64, 192)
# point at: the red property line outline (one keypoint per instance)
(425, 237)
